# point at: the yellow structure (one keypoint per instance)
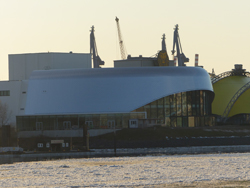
(162, 58)
(232, 95)
(224, 91)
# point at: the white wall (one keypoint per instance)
(21, 65)
(16, 100)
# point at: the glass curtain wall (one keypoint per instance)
(185, 109)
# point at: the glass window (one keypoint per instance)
(32, 122)
(193, 101)
(197, 121)
(46, 123)
(168, 121)
(202, 122)
(39, 126)
(197, 103)
(74, 121)
(179, 122)
(173, 105)
(184, 104)
(125, 120)
(201, 104)
(153, 106)
(184, 121)
(133, 116)
(5, 93)
(191, 121)
(103, 121)
(167, 106)
(178, 102)
(82, 120)
(96, 121)
(147, 109)
(60, 120)
(189, 103)
(118, 121)
(160, 108)
(173, 121)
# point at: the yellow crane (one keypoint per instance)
(122, 47)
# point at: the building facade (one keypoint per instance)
(61, 102)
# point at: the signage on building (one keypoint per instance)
(57, 141)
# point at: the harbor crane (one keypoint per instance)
(122, 48)
(180, 55)
(93, 50)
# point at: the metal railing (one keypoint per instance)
(221, 76)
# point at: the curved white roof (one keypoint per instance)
(108, 90)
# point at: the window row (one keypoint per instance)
(69, 122)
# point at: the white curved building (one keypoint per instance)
(60, 103)
(108, 90)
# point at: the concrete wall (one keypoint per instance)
(21, 65)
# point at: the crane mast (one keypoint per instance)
(122, 48)
(180, 55)
(93, 50)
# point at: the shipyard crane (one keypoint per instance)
(180, 55)
(93, 50)
(122, 47)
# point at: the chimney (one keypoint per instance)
(196, 60)
(175, 60)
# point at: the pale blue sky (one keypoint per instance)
(218, 30)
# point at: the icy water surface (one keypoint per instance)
(207, 170)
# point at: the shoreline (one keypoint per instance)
(123, 152)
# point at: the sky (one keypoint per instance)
(217, 30)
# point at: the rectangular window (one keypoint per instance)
(201, 104)
(184, 104)
(178, 100)
(179, 122)
(189, 103)
(5, 93)
(197, 103)
(39, 126)
(167, 106)
(173, 105)
(147, 109)
(193, 100)
(153, 106)
(160, 108)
